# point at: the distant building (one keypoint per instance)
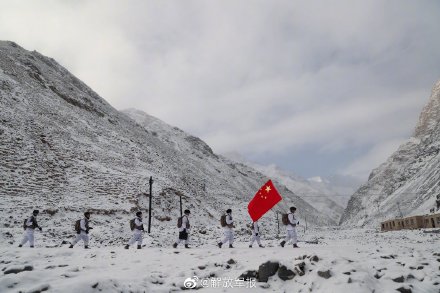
(414, 222)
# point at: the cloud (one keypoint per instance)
(264, 78)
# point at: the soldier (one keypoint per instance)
(438, 202)
(291, 229)
(255, 235)
(82, 231)
(183, 229)
(227, 224)
(29, 226)
(137, 227)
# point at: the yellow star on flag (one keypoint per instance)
(268, 189)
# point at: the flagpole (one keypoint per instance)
(278, 222)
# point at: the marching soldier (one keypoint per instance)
(183, 229)
(255, 235)
(137, 227)
(82, 231)
(29, 226)
(291, 229)
(227, 224)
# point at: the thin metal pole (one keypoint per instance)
(305, 217)
(278, 223)
(149, 209)
(181, 214)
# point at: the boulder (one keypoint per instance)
(248, 275)
(399, 279)
(404, 290)
(17, 270)
(324, 274)
(285, 274)
(267, 270)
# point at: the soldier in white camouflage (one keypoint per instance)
(30, 224)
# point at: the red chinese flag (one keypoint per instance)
(264, 200)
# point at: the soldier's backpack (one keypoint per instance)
(285, 219)
(132, 224)
(223, 221)
(78, 226)
(179, 222)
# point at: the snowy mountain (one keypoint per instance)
(64, 150)
(313, 192)
(408, 182)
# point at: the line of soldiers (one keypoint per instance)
(82, 229)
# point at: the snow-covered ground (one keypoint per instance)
(343, 261)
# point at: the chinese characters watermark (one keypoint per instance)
(224, 282)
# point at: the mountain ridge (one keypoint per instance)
(407, 183)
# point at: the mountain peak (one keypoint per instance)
(430, 116)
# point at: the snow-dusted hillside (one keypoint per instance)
(408, 182)
(64, 150)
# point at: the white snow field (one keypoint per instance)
(356, 260)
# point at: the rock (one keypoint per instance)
(404, 290)
(377, 276)
(18, 270)
(231, 262)
(314, 258)
(248, 275)
(324, 274)
(95, 285)
(399, 279)
(299, 268)
(346, 273)
(265, 286)
(285, 274)
(49, 267)
(420, 267)
(201, 267)
(267, 270)
(387, 256)
(349, 281)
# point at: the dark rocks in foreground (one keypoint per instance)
(17, 270)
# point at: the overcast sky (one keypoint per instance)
(316, 87)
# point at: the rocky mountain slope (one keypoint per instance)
(409, 181)
(64, 150)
